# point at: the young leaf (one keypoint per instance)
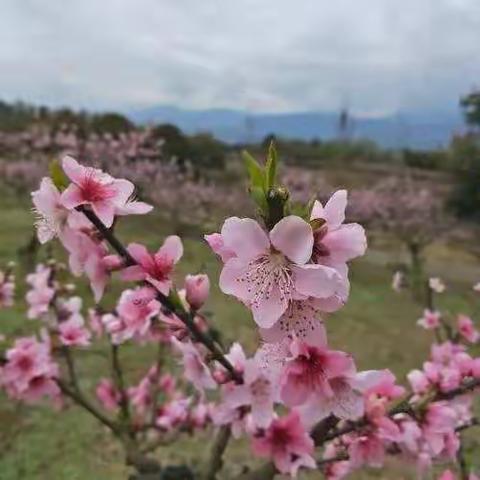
(255, 171)
(271, 167)
(57, 175)
(259, 198)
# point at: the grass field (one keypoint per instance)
(377, 327)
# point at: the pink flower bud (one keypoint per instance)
(197, 288)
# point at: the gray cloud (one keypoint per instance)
(270, 55)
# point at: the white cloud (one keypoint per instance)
(269, 55)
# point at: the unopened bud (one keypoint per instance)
(197, 288)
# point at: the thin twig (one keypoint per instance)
(186, 317)
(120, 384)
(81, 400)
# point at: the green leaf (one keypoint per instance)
(271, 167)
(57, 175)
(259, 198)
(175, 299)
(255, 171)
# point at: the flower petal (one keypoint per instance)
(71, 197)
(293, 237)
(172, 248)
(269, 307)
(316, 280)
(334, 209)
(345, 243)
(245, 237)
(74, 171)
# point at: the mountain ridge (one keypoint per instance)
(422, 130)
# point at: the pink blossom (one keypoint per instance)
(419, 381)
(439, 423)
(87, 256)
(287, 443)
(367, 450)
(299, 320)
(200, 415)
(309, 370)
(52, 214)
(107, 394)
(215, 240)
(467, 329)
(335, 470)
(95, 322)
(141, 395)
(197, 288)
(7, 290)
(90, 186)
(347, 399)
(172, 414)
(257, 392)
(271, 270)
(29, 371)
(195, 371)
(157, 268)
(335, 242)
(430, 320)
(447, 475)
(136, 309)
(41, 293)
(72, 333)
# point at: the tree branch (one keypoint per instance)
(215, 461)
(80, 399)
(186, 317)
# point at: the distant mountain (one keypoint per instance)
(408, 129)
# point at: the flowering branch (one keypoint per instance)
(184, 316)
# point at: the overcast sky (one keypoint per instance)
(376, 56)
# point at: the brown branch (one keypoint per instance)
(215, 460)
(80, 399)
(322, 432)
(120, 384)
(186, 317)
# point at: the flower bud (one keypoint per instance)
(197, 288)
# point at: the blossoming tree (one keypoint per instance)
(300, 403)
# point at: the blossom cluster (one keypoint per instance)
(291, 271)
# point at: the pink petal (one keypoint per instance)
(268, 309)
(367, 379)
(105, 211)
(133, 273)
(244, 237)
(345, 243)
(72, 197)
(172, 248)
(74, 171)
(301, 319)
(348, 404)
(294, 393)
(139, 252)
(293, 237)
(316, 280)
(334, 209)
(134, 208)
(229, 280)
(124, 190)
(317, 211)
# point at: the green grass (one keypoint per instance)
(377, 327)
